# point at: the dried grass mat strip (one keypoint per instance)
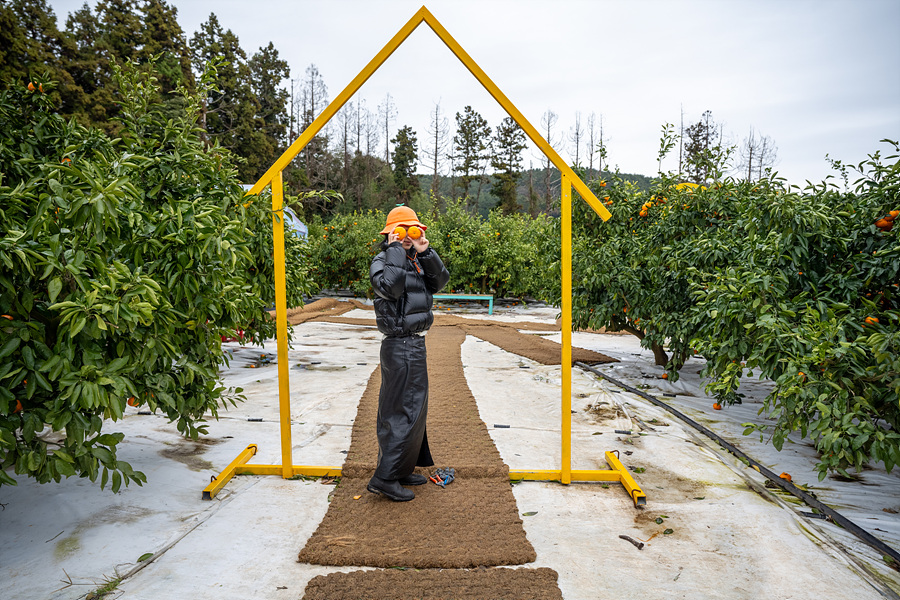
(480, 584)
(474, 521)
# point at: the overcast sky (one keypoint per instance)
(819, 76)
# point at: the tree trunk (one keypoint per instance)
(659, 354)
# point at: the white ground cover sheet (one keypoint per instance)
(730, 536)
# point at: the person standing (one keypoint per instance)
(404, 276)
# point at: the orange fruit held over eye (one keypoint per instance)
(414, 232)
(400, 232)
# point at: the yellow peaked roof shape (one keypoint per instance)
(424, 15)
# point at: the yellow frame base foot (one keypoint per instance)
(617, 473)
(239, 466)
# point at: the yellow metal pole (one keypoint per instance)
(513, 112)
(225, 476)
(634, 490)
(336, 104)
(566, 218)
(309, 471)
(424, 15)
(284, 388)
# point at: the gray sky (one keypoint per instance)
(817, 76)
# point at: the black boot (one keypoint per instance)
(391, 489)
(413, 479)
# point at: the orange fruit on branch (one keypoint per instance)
(884, 224)
(717, 406)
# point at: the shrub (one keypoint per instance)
(122, 263)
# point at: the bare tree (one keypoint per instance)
(681, 140)
(533, 198)
(576, 137)
(548, 122)
(387, 112)
(359, 125)
(436, 148)
(294, 111)
(599, 148)
(591, 133)
(346, 124)
(768, 156)
(313, 100)
(757, 153)
(372, 132)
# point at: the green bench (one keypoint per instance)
(488, 297)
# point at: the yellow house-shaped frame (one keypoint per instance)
(273, 177)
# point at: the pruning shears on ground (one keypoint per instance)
(442, 477)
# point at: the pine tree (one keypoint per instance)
(267, 70)
(229, 114)
(706, 154)
(121, 30)
(114, 32)
(404, 161)
(88, 60)
(506, 159)
(30, 42)
(470, 145)
(32, 47)
(164, 38)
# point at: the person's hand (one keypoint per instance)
(421, 244)
(393, 237)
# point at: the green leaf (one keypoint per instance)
(28, 357)
(78, 326)
(54, 288)
(10, 346)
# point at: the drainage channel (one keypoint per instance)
(787, 486)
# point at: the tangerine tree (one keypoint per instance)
(123, 262)
(799, 285)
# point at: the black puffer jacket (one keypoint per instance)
(404, 284)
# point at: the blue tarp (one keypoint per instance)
(293, 224)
